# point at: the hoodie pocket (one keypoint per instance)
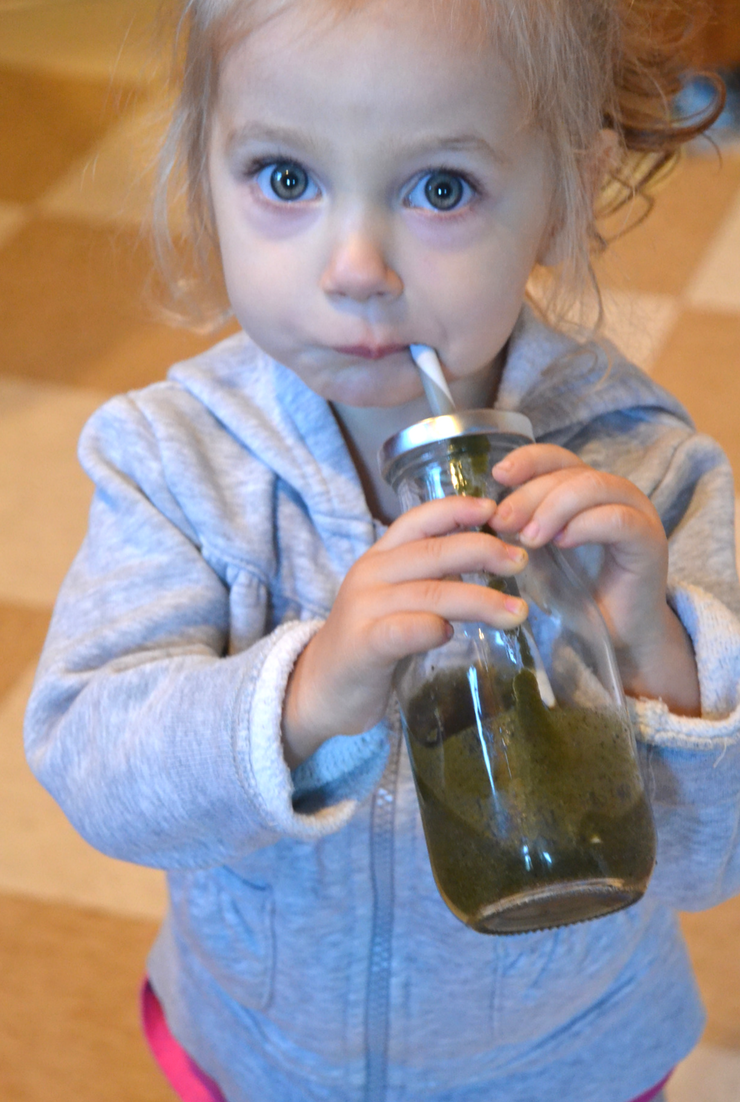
(228, 924)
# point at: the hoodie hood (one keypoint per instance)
(559, 384)
(562, 385)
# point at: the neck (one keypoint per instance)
(365, 430)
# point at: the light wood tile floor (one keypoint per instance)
(79, 102)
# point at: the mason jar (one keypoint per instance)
(525, 764)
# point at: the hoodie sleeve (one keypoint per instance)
(160, 747)
(692, 765)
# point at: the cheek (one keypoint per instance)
(261, 285)
(475, 294)
(477, 305)
(493, 267)
(257, 266)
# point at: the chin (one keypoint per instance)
(374, 397)
(383, 389)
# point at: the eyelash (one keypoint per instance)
(255, 166)
(446, 170)
(252, 170)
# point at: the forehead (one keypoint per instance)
(230, 20)
(408, 62)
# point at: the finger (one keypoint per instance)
(533, 460)
(437, 518)
(463, 553)
(449, 599)
(539, 509)
(403, 633)
(632, 534)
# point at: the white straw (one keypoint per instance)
(435, 385)
(441, 402)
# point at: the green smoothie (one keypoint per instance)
(534, 817)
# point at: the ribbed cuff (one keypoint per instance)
(260, 745)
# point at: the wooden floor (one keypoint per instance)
(80, 105)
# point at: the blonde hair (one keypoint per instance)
(582, 66)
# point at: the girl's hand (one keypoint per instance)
(398, 599)
(557, 498)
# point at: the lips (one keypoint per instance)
(370, 351)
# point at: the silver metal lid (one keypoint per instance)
(469, 422)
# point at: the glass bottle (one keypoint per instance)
(525, 764)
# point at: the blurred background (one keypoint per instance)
(81, 105)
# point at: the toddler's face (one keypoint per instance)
(374, 186)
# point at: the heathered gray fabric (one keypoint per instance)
(306, 954)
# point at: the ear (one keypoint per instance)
(603, 156)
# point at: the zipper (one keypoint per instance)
(379, 968)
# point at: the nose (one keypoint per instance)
(358, 268)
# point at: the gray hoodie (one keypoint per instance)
(306, 954)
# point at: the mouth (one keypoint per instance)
(371, 351)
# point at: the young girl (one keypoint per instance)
(215, 696)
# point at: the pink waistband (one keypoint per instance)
(182, 1073)
(189, 1081)
(654, 1091)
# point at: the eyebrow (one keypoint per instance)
(432, 143)
(462, 143)
(263, 132)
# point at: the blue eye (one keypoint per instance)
(440, 190)
(286, 181)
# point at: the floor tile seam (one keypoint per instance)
(51, 386)
(685, 305)
(68, 903)
(15, 217)
(129, 104)
(706, 306)
(45, 208)
(65, 195)
(8, 694)
(710, 277)
(45, 69)
(36, 209)
(66, 70)
(38, 892)
(50, 211)
(27, 672)
(23, 606)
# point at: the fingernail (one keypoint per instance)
(514, 604)
(504, 511)
(531, 531)
(516, 554)
(504, 465)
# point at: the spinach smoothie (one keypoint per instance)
(541, 810)
(526, 769)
